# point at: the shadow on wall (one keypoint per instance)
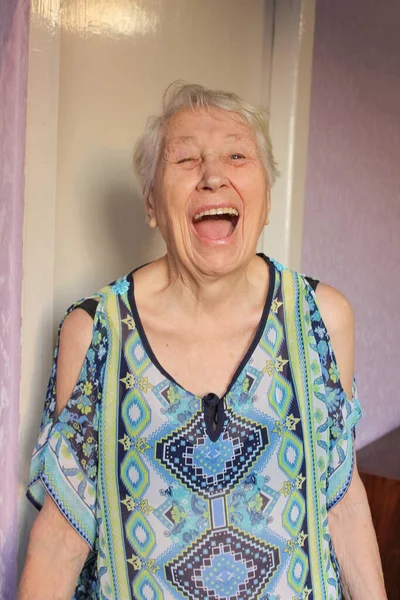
(114, 206)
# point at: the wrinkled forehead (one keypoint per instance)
(188, 127)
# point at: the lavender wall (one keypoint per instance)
(14, 24)
(352, 212)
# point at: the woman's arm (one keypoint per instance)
(350, 524)
(354, 540)
(56, 552)
(56, 555)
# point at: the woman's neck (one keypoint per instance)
(199, 297)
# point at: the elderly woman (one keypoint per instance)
(197, 436)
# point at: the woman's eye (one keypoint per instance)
(188, 159)
(237, 156)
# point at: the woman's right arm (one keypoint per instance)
(56, 552)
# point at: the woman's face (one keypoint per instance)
(210, 162)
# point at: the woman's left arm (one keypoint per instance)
(350, 524)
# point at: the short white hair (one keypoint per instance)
(180, 96)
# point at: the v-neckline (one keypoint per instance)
(253, 345)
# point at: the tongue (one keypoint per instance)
(214, 229)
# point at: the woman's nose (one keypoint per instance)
(213, 176)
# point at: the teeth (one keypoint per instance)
(216, 211)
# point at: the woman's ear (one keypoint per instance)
(151, 211)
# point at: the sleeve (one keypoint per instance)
(343, 413)
(65, 458)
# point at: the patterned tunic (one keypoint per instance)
(181, 497)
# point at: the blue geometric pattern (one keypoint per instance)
(290, 454)
(161, 392)
(134, 474)
(140, 534)
(183, 514)
(251, 502)
(298, 570)
(211, 458)
(164, 513)
(272, 337)
(224, 564)
(254, 377)
(176, 404)
(212, 468)
(293, 515)
(144, 586)
(224, 575)
(135, 354)
(280, 395)
(244, 393)
(176, 515)
(135, 413)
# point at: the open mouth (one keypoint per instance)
(216, 223)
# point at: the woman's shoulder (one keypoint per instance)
(335, 308)
(93, 303)
(332, 316)
(79, 317)
(334, 305)
(285, 272)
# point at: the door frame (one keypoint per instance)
(289, 105)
